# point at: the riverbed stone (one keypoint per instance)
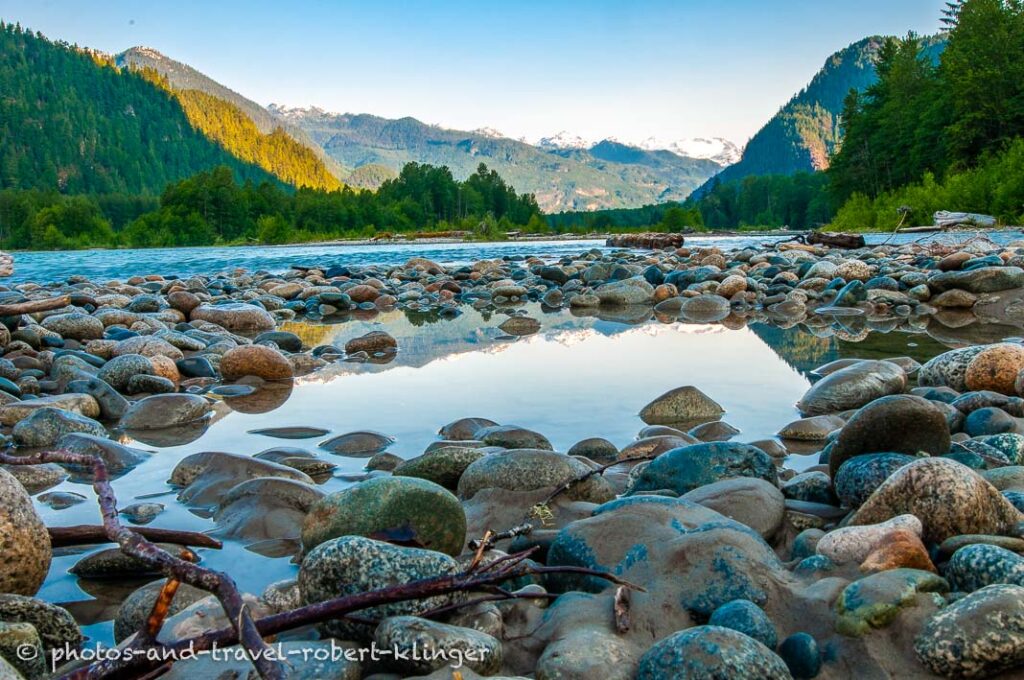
(74, 402)
(513, 437)
(747, 618)
(442, 466)
(400, 508)
(24, 540)
(680, 405)
(257, 360)
(354, 564)
(977, 636)
(687, 468)
(996, 368)
(631, 291)
(237, 317)
(980, 280)
(360, 444)
(855, 543)
(949, 369)
(74, 326)
(751, 501)
(876, 600)
(813, 429)
(165, 410)
(265, 508)
(464, 429)
(853, 387)
(596, 449)
(530, 469)
(47, 425)
(371, 343)
(895, 424)
(975, 566)
(708, 653)
(148, 346)
(205, 477)
(437, 644)
(949, 499)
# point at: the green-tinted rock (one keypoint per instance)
(874, 601)
(442, 466)
(390, 508)
(529, 469)
(710, 653)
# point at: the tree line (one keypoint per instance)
(214, 207)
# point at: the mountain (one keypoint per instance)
(717, 149)
(241, 125)
(604, 175)
(70, 120)
(805, 132)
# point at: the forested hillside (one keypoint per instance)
(72, 121)
(944, 136)
(805, 132)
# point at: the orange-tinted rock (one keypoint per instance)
(902, 549)
(165, 367)
(183, 301)
(954, 261)
(363, 293)
(376, 341)
(996, 368)
(258, 360)
(664, 292)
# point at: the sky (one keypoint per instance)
(594, 68)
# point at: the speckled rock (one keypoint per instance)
(119, 370)
(855, 543)
(24, 541)
(679, 406)
(442, 466)
(852, 387)
(528, 469)
(265, 508)
(21, 646)
(1010, 444)
(747, 618)
(687, 468)
(148, 346)
(996, 368)
(975, 566)
(710, 653)
(208, 475)
(949, 499)
(411, 508)
(55, 625)
(360, 444)
(74, 326)
(258, 360)
(949, 369)
(899, 424)
(632, 291)
(876, 600)
(464, 429)
(813, 487)
(237, 317)
(436, 644)
(82, 404)
(47, 425)
(596, 449)
(977, 636)
(165, 410)
(353, 564)
(980, 280)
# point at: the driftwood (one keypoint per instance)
(45, 305)
(650, 241)
(835, 240)
(944, 218)
(144, 656)
(86, 534)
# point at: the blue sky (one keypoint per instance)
(528, 68)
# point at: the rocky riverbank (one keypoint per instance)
(898, 554)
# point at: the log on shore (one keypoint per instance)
(649, 241)
(836, 240)
(85, 534)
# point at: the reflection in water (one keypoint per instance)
(579, 377)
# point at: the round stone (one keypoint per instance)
(710, 653)
(24, 540)
(399, 508)
(256, 360)
(746, 617)
(996, 368)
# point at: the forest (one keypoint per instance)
(214, 208)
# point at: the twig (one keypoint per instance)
(491, 538)
(85, 534)
(591, 473)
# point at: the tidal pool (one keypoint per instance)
(579, 377)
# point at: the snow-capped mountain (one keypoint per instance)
(564, 140)
(717, 149)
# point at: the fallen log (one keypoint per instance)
(86, 534)
(835, 240)
(45, 305)
(649, 241)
